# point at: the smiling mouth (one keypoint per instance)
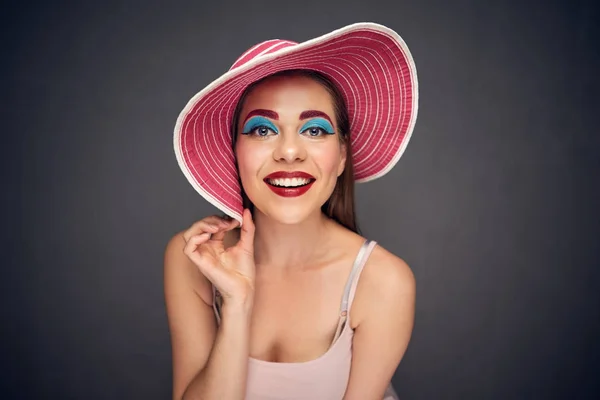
(289, 182)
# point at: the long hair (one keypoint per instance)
(340, 206)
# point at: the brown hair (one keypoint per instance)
(340, 205)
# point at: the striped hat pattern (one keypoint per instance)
(369, 63)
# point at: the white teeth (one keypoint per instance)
(289, 182)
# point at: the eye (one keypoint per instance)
(315, 131)
(317, 127)
(259, 127)
(262, 131)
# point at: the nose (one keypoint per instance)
(289, 148)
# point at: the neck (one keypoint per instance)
(285, 246)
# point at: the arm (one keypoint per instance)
(384, 305)
(209, 362)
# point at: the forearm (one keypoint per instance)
(224, 376)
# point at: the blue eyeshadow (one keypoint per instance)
(318, 123)
(256, 122)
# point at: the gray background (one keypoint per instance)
(494, 205)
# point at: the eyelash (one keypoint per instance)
(323, 126)
(253, 132)
(322, 131)
(260, 123)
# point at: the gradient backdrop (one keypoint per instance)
(494, 205)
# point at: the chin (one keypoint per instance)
(288, 215)
(291, 211)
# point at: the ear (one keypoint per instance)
(344, 155)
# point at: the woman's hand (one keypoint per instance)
(230, 270)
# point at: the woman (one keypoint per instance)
(276, 309)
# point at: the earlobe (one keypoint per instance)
(342, 164)
(341, 167)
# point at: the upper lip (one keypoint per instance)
(289, 174)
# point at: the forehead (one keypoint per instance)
(289, 94)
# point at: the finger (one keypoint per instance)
(193, 243)
(247, 232)
(199, 228)
(209, 224)
(210, 220)
(233, 223)
(204, 260)
(226, 221)
(220, 234)
(222, 221)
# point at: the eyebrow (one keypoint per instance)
(263, 113)
(314, 113)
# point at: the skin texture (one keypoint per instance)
(289, 149)
(302, 260)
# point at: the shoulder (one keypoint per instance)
(386, 283)
(385, 300)
(180, 273)
(388, 271)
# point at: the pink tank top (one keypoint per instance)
(324, 378)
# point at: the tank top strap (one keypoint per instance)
(359, 264)
(350, 288)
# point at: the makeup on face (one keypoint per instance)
(313, 114)
(318, 123)
(290, 191)
(260, 118)
(318, 120)
(289, 183)
(262, 112)
(258, 122)
(298, 166)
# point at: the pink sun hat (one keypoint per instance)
(368, 62)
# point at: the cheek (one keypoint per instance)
(250, 159)
(328, 158)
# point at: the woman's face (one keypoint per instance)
(288, 149)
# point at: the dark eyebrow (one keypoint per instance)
(263, 113)
(314, 113)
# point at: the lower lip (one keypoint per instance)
(290, 192)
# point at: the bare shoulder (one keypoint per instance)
(386, 270)
(382, 317)
(192, 322)
(386, 279)
(181, 273)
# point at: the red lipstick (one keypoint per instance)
(289, 191)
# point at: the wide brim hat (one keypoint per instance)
(368, 62)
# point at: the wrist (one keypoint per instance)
(237, 309)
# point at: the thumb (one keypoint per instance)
(247, 232)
